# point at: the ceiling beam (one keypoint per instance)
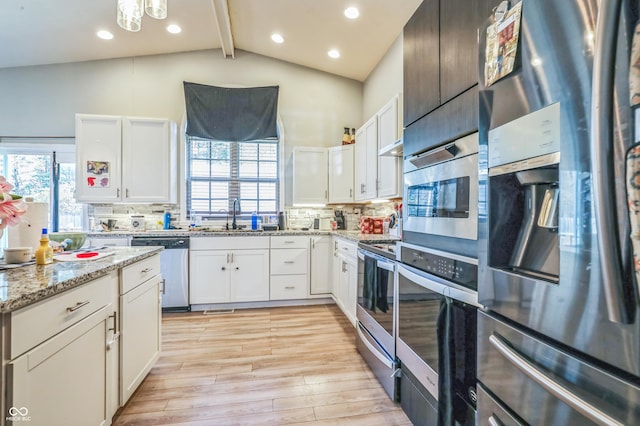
(221, 14)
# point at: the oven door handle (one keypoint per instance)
(387, 266)
(422, 280)
(362, 332)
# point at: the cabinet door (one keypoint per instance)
(321, 256)
(421, 64)
(98, 154)
(62, 381)
(140, 341)
(389, 167)
(351, 291)
(459, 22)
(310, 177)
(341, 174)
(149, 172)
(113, 348)
(249, 275)
(209, 276)
(366, 162)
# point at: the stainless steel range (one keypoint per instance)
(375, 312)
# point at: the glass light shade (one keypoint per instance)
(131, 8)
(129, 22)
(156, 8)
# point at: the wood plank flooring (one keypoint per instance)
(271, 366)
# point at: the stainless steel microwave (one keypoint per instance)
(441, 190)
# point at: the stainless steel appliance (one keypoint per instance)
(375, 311)
(559, 342)
(437, 304)
(174, 267)
(441, 197)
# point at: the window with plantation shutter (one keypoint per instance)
(219, 172)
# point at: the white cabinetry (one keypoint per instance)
(133, 160)
(345, 266)
(378, 176)
(140, 327)
(341, 174)
(228, 269)
(289, 267)
(321, 280)
(389, 131)
(58, 359)
(310, 181)
(366, 162)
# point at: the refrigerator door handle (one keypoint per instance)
(604, 199)
(556, 389)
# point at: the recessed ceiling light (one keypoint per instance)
(174, 29)
(333, 53)
(105, 35)
(277, 38)
(351, 12)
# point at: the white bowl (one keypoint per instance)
(17, 254)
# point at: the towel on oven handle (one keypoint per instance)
(382, 285)
(369, 292)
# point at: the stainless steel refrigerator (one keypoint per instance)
(559, 338)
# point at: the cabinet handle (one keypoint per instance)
(326, 194)
(164, 286)
(145, 270)
(232, 258)
(313, 243)
(344, 266)
(115, 321)
(237, 268)
(227, 259)
(288, 261)
(335, 245)
(118, 192)
(289, 287)
(224, 269)
(126, 193)
(289, 242)
(362, 188)
(77, 306)
(377, 183)
(350, 192)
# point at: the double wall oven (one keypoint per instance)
(437, 285)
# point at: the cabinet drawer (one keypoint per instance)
(290, 242)
(345, 248)
(288, 287)
(139, 272)
(36, 323)
(238, 242)
(289, 262)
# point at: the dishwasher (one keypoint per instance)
(174, 267)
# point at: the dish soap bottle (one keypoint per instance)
(167, 220)
(44, 253)
(254, 221)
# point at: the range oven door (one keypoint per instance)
(376, 290)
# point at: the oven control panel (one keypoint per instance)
(455, 270)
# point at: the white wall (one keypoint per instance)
(384, 81)
(42, 100)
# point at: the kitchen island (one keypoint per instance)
(78, 336)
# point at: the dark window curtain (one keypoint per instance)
(231, 114)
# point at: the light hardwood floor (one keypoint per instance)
(271, 366)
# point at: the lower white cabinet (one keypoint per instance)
(289, 267)
(140, 324)
(345, 273)
(321, 264)
(233, 269)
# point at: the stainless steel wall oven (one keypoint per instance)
(436, 340)
(375, 312)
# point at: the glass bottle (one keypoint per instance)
(346, 137)
(353, 135)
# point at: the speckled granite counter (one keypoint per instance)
(23, 286)
(349, 235)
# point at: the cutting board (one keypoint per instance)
(81, 256)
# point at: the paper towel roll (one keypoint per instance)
(27, 233)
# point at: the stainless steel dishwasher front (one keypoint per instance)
(174, 267)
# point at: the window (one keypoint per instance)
(219, 172)
(29, 168)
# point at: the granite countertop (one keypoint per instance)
(25, 285)
(349, 235)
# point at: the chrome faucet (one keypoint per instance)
(234, 225)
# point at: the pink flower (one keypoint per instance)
(11, 206)
(5, 187)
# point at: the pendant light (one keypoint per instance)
(156, 8)
(129, 12)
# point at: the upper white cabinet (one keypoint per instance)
(389, 131)
(378, 176)
(125, 159)
(310, 182)
(366, 163)
(341, 174)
